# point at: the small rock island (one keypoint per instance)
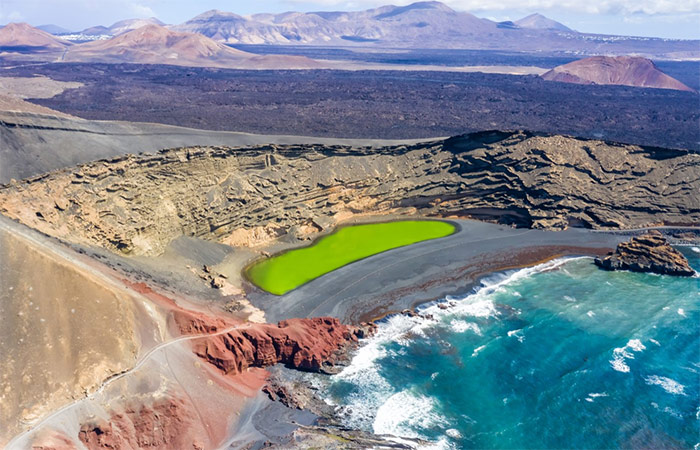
(648, 253)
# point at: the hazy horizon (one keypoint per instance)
(670, 19)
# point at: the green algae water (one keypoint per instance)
(560, 356)
(289, 270)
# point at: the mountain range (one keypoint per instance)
(120, 27)
(155, 44)
(421, 25)
(431, 24)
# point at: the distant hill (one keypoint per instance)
(54, 29)
(539, 22)
(120, 27)
(98, 30)
(23, 37)
(620, 70)
(154, 44)
(132, 24)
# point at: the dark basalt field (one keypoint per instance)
(371, 104)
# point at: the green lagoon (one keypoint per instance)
(286, 271)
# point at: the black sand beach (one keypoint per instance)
(405, 277)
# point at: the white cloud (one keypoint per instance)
(142, 10)
(13, 16)
(623, 7)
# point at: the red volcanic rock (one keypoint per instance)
(306, 344)
(167, 424)
(620, 70)
(192, 322)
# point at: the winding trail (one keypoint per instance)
(15, 443)
(52, 246)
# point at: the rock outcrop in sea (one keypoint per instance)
(648, 253)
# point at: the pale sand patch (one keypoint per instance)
(252, 237)
(501, 69)
(13, 104)
(35, 87)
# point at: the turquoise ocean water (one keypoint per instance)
(562, 355)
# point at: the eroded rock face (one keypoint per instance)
(138, 204)
(164, 424)
(305, 344)
(648, 253)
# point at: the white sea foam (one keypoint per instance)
(654, 341)
(460, 326)
(673, 412)
(374, 403)
(593, 395)
(669, 385)
(598, 394)
(405, 412)
(453, 433)
(621, 355)
(636, 345)
(477, 350)
(619, 364)
(372, 389)
(518, 334)
(569, 298)
(590, 314)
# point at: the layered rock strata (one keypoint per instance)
(138, 204)
(648, 253)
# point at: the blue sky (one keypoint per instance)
(661, 18)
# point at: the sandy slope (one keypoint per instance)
(65, 327)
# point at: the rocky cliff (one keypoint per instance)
(648, 253)
(138, 204)
(304, 344)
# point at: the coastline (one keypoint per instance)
(472, 306)
(475, 251)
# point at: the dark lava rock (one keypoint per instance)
(648, 253)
